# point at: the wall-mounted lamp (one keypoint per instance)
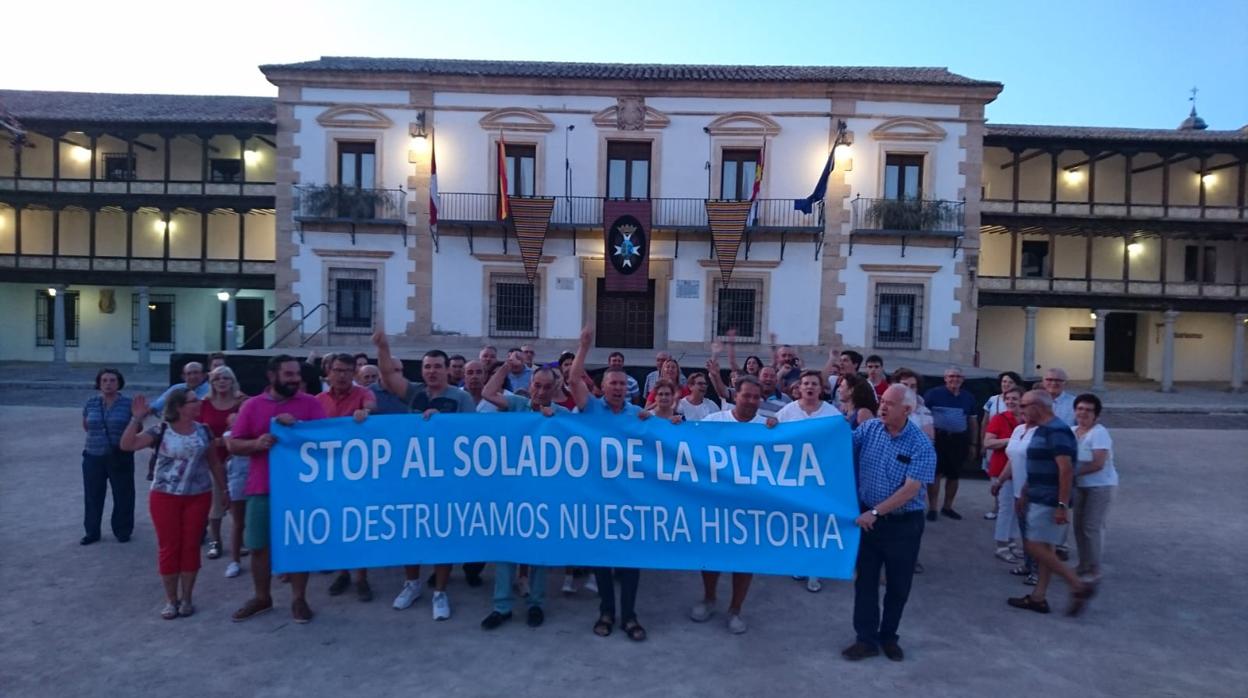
(1134, 248)
(251, 157)
(151, 306)
(1208, 179)
(80, 154)
(223, 296)
(417, 129)
(52, 291)
(163, 226)
(1073, 176)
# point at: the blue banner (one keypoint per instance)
(571, 489)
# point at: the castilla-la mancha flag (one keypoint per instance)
(627, 245)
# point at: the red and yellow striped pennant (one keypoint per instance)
(531, 218)
(727, 219)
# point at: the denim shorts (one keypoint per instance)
(236, 476)
(1040, 525)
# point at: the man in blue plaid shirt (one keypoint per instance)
(894, 460)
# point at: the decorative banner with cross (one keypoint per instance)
(627, 227)
(727, 219)
(531, 217)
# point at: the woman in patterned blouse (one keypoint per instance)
(104, 463)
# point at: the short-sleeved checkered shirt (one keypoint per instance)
(883, 462)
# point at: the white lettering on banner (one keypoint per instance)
(623, 522)
(778, 529)
(337, 457)
(415, 460)
(609, 471)
(303, 525)
(634, 459)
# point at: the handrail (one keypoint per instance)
(305, 339)
(275, 318)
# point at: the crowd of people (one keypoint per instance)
(1049, 462)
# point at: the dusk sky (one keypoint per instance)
(1094, 62)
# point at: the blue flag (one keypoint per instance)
(821, 188)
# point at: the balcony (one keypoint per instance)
(39, 187)
(1134, 211)
(1111, 287)
(905, 218)
(332, 203)
(166, 271)
(665, 213)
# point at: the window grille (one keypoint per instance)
(45, 318)
(739, 306)
(513, 307)
(898, 316)
(161, 328)
(353, 300)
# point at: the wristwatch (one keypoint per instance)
(875, 513)
(1062, 505)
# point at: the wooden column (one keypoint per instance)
(168, 160)
(94, 143)
(203, 239)
(56, 234)
(1091, 180)
(242, 236)
(1127, 157)
(242, 164)
(1126, 263)
(1165, 184)
(1200, 184)
(203, 165)
(129, 236)
(1087, 262)
(91, 213)
(1018, 166)
(17, 231)
(1239, 192)
(131, 162)
(56, 163)
(1050, 261)
(1239, 263)
(1200, 265)
(1165, 243)
(1053, 180)
(1013, 256)
(165, 217)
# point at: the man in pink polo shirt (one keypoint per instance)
(250, 436)
(346, 399)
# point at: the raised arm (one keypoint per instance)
(493, 390)
(832, 363)
(132, 439)
(576, 373)
(732, 349)
(393, 381)
(717, 381)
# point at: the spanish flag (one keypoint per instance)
(504, 208)
(758, 172)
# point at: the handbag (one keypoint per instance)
(151, 463)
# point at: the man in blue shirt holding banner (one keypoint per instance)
(894, 460)
(614, 401)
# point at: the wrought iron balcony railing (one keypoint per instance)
(333, 202)
(667, 213)
(909, 216)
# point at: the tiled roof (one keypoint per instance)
(102, 107)
(633, 71)
(1096, 133)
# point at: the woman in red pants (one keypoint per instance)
(187, 470)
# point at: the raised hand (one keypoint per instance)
(587, 336)
(379, 338)
(139, 407)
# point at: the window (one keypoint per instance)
(628, 169)
(1035, 256)
(45, 318)
(226, 170)
(739, 306)
(903, 176)
(161, 323)
(119, 166)
(352, 300)
(357, 164)
(513, 307)
(1191, 264)
(898, 316)
(736, 179)
(520, 164)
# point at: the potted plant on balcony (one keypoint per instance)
(339, 201)
(910, 214)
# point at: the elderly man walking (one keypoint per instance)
(894, 460)
(1047, 494)
(1054, 384)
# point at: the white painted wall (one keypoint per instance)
(858, 305)
(393, 290)
(105, 338)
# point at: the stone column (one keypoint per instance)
(1167, 351)
(1098, 352)
(1029, 342)
(1237, 358)
(145, 326)
(230, 318)
(58, 324)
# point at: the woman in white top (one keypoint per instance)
(665, 401)
(808, 405)
(696, 406)
(1096, 480)
(1009, 490)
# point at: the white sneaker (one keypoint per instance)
(232, 570)
(1005, 554)
(412, 590)
(591, 583)
(812, 585)
(702, 611)
(736, 625)
(441, 606)
(569, 584)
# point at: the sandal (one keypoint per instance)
(635, 632)
(186, 609)
(603, 627)
(1020, 571)
(214, 549)
(1079, 599)
(1029, 604)
(169, 612)
(253, 607)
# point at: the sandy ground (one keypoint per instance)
(1170, 621)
